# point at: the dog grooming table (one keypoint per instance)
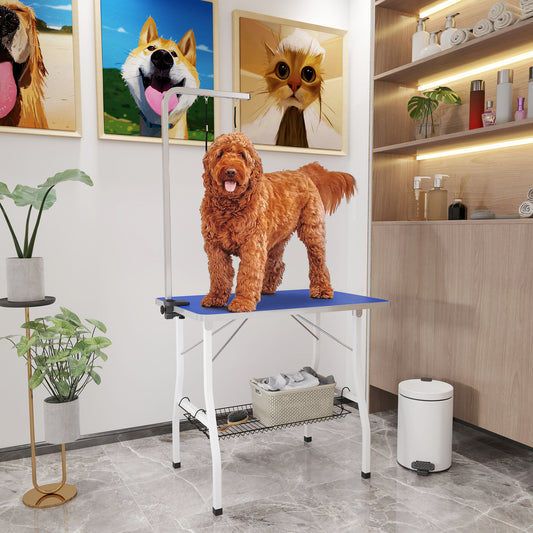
(290, 303)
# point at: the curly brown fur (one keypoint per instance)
(252, 215)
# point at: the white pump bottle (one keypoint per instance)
(433, 47)
(420, 39)
(445, 38)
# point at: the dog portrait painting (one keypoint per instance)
(148, 49)
(252, 215)
(38, 82)
(295, 73)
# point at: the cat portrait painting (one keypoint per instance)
(295, 74)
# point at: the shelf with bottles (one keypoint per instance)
(508, 131)
(495, 46)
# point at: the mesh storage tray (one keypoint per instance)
(284, 407)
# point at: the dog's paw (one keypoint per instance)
(241, 305)
(321, 292)
(212, 300)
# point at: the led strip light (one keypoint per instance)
(438, 7)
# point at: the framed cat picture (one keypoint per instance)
(296, 74)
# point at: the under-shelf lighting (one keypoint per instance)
(479, 70)
(439, 7)
(473, 149)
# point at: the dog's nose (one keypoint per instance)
(9, 21)
(162, 59)
(230, 172)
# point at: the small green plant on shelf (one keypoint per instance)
(421, 108)
(39, 198)
(65, 353)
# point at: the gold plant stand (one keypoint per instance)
(53, 494)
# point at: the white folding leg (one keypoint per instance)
(178, 394)
(211, 418)
(360, 367)
(314, 364)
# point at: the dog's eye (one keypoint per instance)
(151, 48)
(173, 54)
(220, 154)
(242, 155)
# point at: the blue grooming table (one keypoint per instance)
(293, 303)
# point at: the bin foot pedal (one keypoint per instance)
(423, 468)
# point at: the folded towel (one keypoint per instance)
(526, 209)
(298, 380)
(506, 19)
(497, 9)
(460, 36)
(483, 27)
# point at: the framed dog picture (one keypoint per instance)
(143, 50)
(297, 76)
(39, 68)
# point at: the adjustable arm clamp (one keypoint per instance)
(167, 309)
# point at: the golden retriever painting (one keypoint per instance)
(22, 70)
(252, 215)
(153, 68)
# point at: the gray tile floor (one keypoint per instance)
(274, 482)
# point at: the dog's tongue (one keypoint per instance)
(154, 98)
(230, 185)
(8, 88)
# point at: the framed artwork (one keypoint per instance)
(296, 74)
(39, 68)
(145, 48)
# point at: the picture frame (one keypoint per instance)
(142, 49)
(297, 76)
(41, 77)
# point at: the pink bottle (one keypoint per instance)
(520, 112)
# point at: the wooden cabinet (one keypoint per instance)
(461, 291)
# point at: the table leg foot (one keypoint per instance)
(365, 475)
(176, 465)
(308, 439)
(217, 512)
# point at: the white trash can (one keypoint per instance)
(425, 419)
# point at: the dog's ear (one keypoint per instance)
(187, 45)
(257, 165)
(149, 32)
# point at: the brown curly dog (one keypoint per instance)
(252, 215)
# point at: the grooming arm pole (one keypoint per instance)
(167, 310)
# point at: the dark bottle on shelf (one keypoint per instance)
(457, 210)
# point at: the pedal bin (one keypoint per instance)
(425, 418)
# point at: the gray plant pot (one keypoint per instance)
(25, 279)
(61, 421)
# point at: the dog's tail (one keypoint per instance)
(332, 186)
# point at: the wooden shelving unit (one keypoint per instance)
(461, 290)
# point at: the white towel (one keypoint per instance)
(526, 3)
(460, 36)
(497, 9)
(526, 209)
(530, 195)
(483, 27)
(506, 19)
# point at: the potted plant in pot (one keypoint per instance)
(24, 273)
(421, 108)
(65, 353)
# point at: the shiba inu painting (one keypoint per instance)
(153, 68)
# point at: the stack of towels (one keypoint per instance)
(502, 15)
(303, 379)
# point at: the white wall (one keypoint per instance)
(103, 246)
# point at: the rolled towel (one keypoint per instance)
(506, 19)
(483, 27)
(497, 9)
(526, 3)
(460, 36)
(530, 195)
(526, 209)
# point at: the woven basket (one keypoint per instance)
(274, 408)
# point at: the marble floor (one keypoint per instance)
(274, 482)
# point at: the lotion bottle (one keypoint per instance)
(420, 39)
(520, 112)
(433, 47)
(437, 200)
(445, 38)
(504, 96)
(417, 202)
(530, 94)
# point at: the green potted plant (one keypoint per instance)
(25, 274)
(421, 108)
(65, 354)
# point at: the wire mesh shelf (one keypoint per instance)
(254, 425)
